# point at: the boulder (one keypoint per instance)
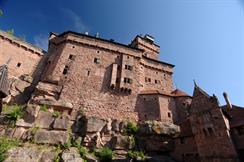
(61, 123)
(31, 112)
(18, 133)
(21, 85)
(60, 103)
(90, 158)
(115, 125)
(51, 137)
(71, 155)
(23, 154)
(94, 124)
(158, 128)
(22, 123)
(47, 156)
(27, 78)
(44, 120)
(121, 142)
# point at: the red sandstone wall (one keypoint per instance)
(24, 58)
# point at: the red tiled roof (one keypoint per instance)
(179, 93)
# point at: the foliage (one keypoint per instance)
(131, 128)
(104, 154)
(67, 145)
(136, 155)
(15, 112)
(56, 114)
(1, 12)
(34, 130)
(82, 150)
(43, 108)
(5, 145)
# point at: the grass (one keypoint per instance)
(56, 114)
(43, 108)
(104, 154)
(5, 145)
(14, 112)
(131, 128)
(136, 155)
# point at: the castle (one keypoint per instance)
(107, 79)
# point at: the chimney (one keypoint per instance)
(229, 106)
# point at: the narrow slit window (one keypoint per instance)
(18, 64)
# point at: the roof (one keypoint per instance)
(161, 62)
(175, 93)
(236, 114)
(101, 39)
(179, 93)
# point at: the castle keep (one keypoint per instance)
(88, 75)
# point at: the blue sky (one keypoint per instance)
(203, 38)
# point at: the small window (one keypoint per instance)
(66, 69)
(156, 72)
(73, 47)
(156, 81)
(127, 80)
(128, 67)
(98, 51)
(169, 114)
(88, 72)
(128, 57)
(19, 64)
(117, 80)
(149, 80)
(97, 60)
(71, 57)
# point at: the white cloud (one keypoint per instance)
(41, 41)
(78, 24)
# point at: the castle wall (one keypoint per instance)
(22, 58)
(102, 78)
(209, 128)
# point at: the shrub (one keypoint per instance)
(5, 145)
(131, 128)
(14, 113)
(43, 108)
(82, 150)
(136, 155)
(104, 154)
(56, 114)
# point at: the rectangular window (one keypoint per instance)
(71, 57)
(66, 69)
(97, 60)
(128, 67)
(128, 80)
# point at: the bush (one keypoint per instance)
(131, 128)
(5, 145)
(104, 154)
(136, 155)
(43, 108)
(56, 114)
(82, 150)
(14, 113)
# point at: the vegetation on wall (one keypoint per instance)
(5, 145)
(104, 154)
(14, 112)
(131, 128)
